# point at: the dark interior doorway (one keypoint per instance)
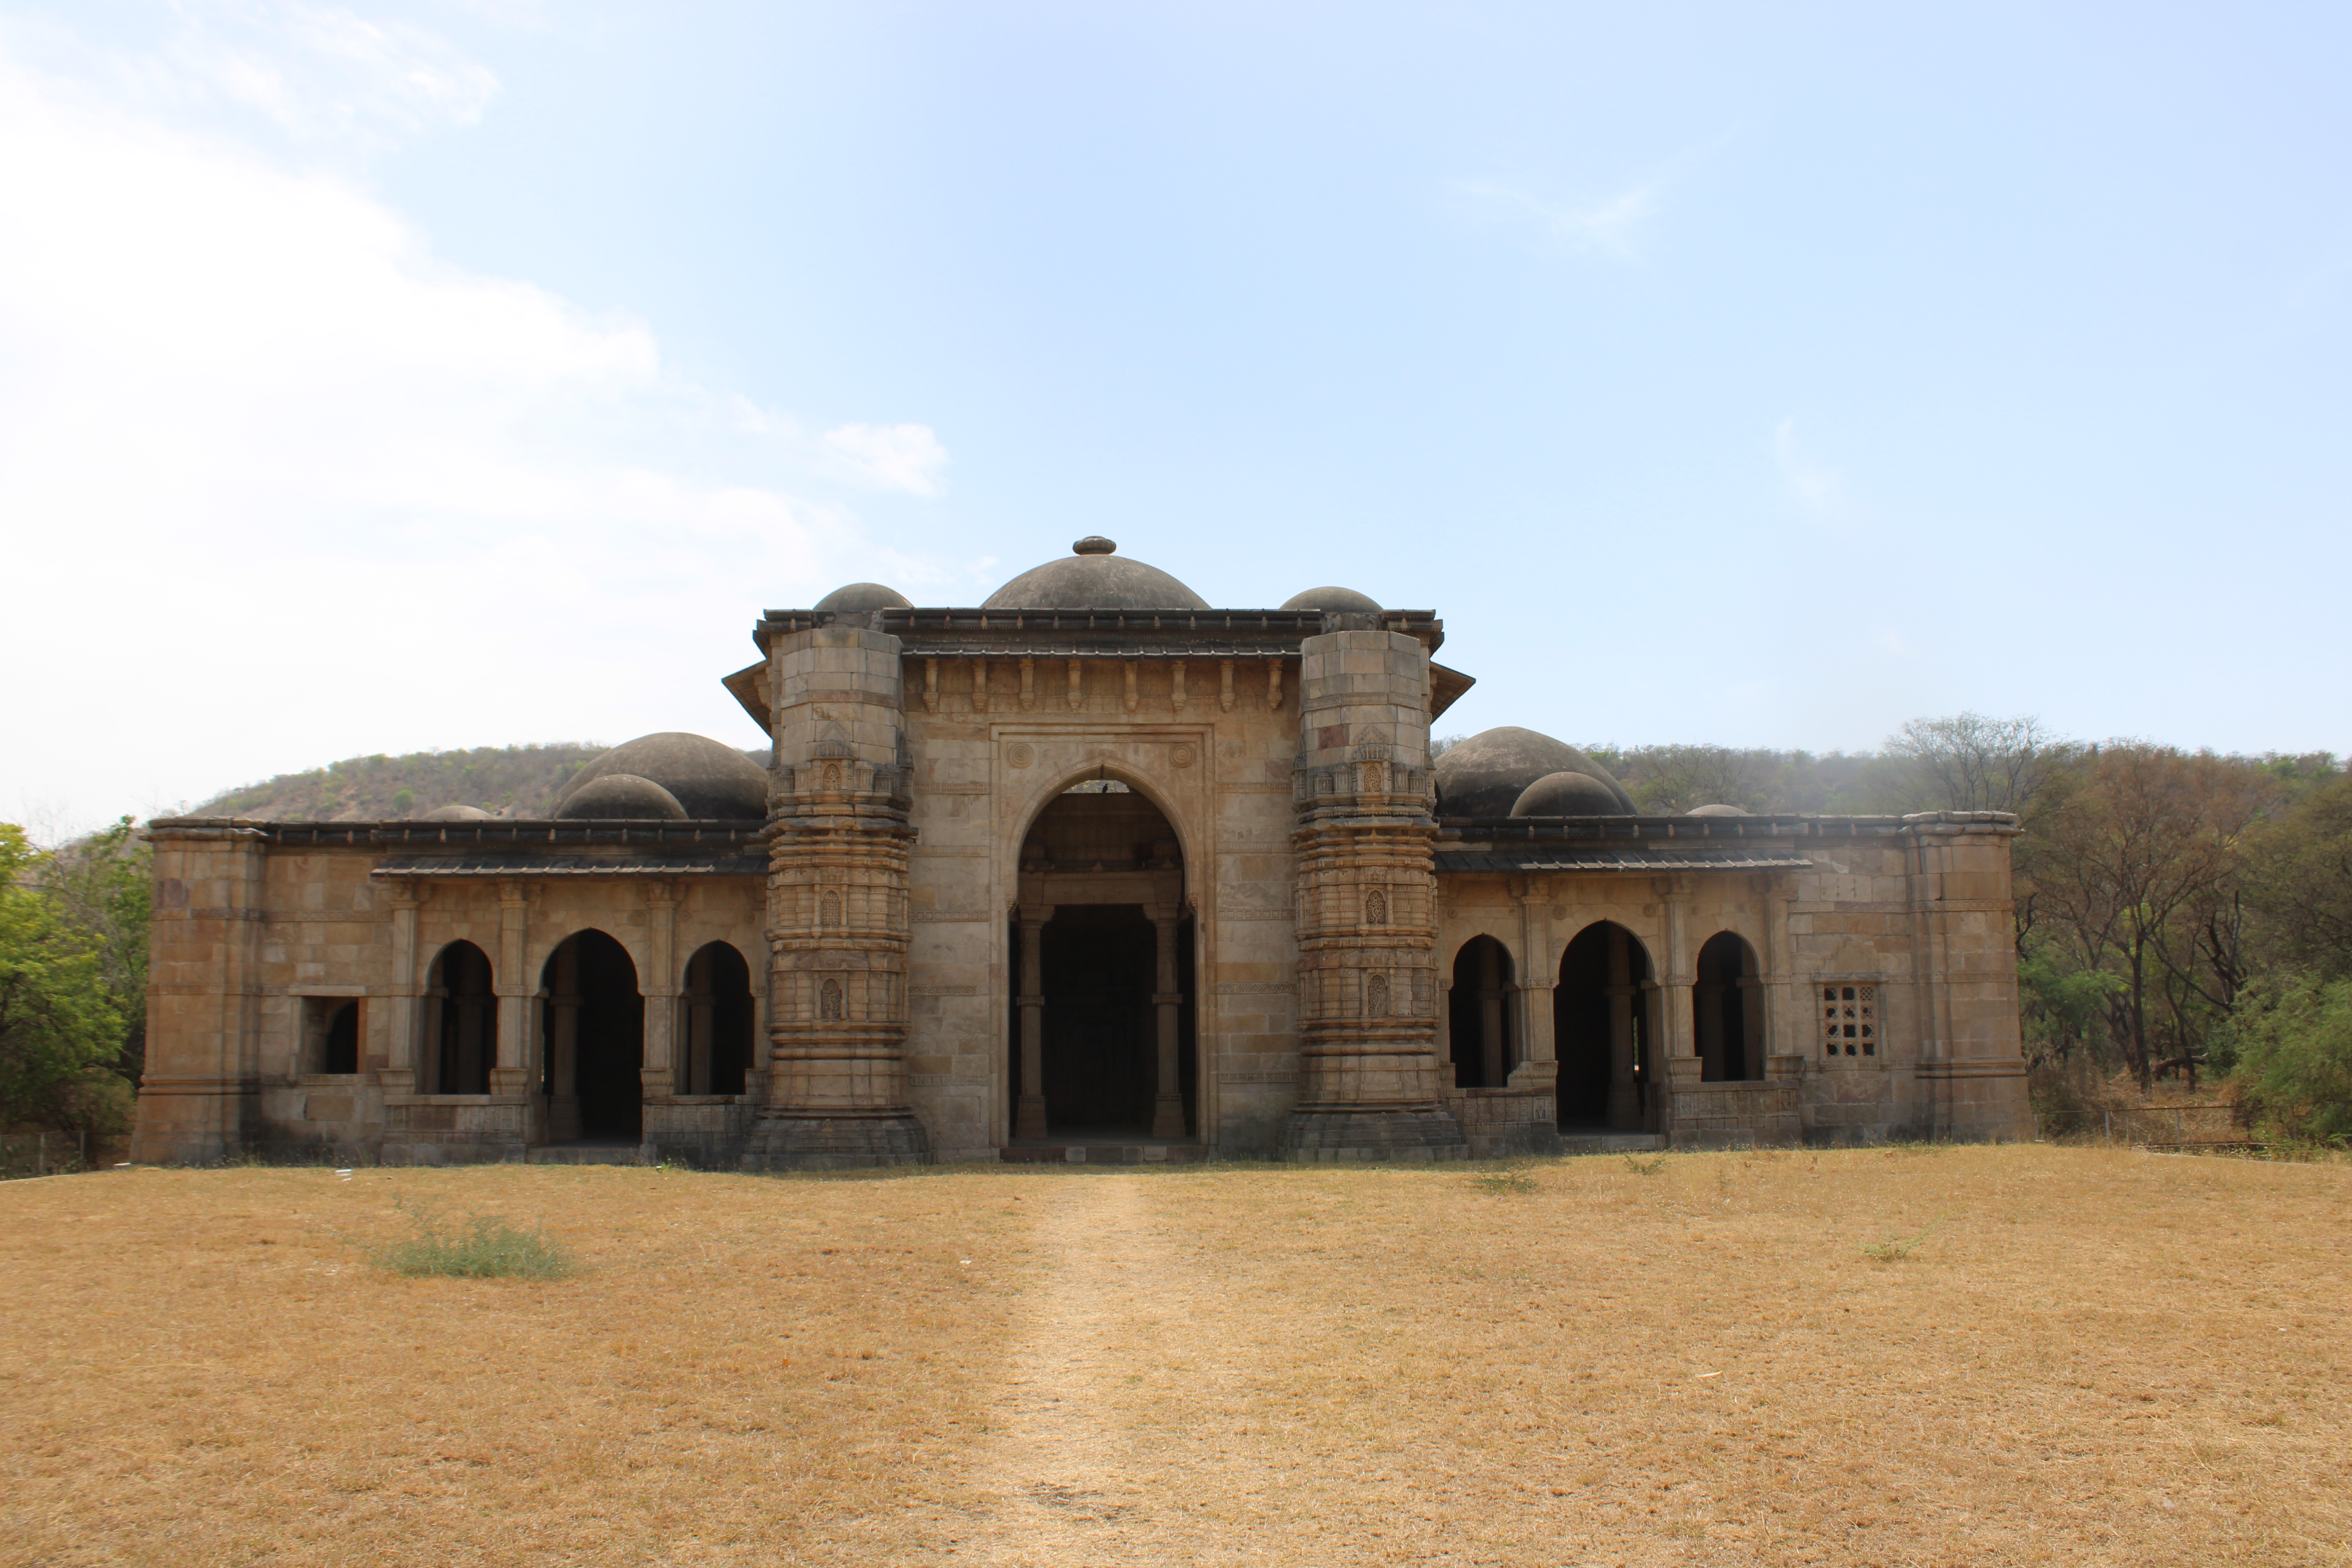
(596, 1068)
(465, 1024)
(1099, 965)
(1600, 1029)
(1478, 1015)
(1579, 1011)
(1726, 1012)
(717, 1050)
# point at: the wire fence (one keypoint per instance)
(2217, 1124)
(35, 1153)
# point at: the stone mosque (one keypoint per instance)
(1092, 872)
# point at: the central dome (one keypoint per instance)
(1093, 577)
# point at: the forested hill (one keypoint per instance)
(520, 780)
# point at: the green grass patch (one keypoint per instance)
(480, 1247)
(1894, 1248)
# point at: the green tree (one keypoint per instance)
(104, 887)
(2295, 1054)
(60, 1031)
(2133, 859)
(2299, 882)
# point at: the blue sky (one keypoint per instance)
(458, 374)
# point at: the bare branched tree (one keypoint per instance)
(1972, 763)
(1664, 779)
(2135, 870)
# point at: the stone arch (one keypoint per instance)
(715, 1044)
(1600, 1029)
(1480, 1023)
(593, 1038)
(1102, 1015)
(1038, 804)
(461, 1021)
(1728, 1010)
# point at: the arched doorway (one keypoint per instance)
(715, 1047)
(1726, 1011)
(1102, 1027)
(1478, 1015)
(461, 1021)
(594, 1040)
(1602, 1029)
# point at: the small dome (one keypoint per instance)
(1566, 794)
(866, 596)
(1332, 602)
(1485, 774)
(707, 780)
(623, 796)
(1093, 578)
(1714, 811)
(455, 814)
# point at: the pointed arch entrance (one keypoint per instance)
(1102, 1026)
(1600, 1022)
(594, 1040)
(1728, 1011)
(1478, 1015)
(716, 1047)
(461, 1021)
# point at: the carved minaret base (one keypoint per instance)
(1367, 907)
(837, 910)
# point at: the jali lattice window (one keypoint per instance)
(1850, 1019)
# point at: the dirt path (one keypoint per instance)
(1090, 1461)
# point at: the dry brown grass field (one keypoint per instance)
(2098, 1356)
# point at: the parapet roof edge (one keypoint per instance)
(1421, 624)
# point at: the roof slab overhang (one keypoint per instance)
(1153, 635)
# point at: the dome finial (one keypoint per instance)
(1094, 544)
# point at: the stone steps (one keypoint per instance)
(1103, 1153)
(1611, 1143)
(587, 1154)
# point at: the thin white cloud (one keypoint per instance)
(1817, 489)
(889, 457)
(281, 486)
(317, 73)
(1612, 227)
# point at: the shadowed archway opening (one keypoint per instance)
(596, 1040)
(461, 1020)
(1478, 1015)
(715, 1046)
(1600, 1029)
(1728, 1010)
(1102, 1026)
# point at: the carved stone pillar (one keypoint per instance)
(513, 1072)
(1677, 1023)
(1367, 906)
(1784, 1043)
(1167, 1103)
(658, 1075)
(1537, 1069)
(397, 1071)
(1029, 1116)
(564, 1044)
(839, 925)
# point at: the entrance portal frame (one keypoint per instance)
(1038, 765)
